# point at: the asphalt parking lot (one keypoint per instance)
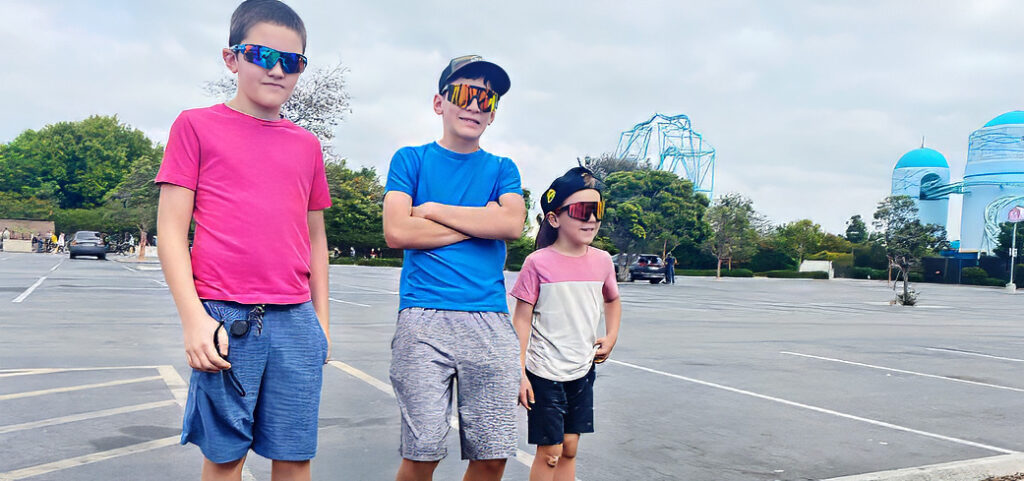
(738, 379)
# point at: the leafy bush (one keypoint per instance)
(839, 259)
(973, 275)
(796, 275)
(866, 272)
(514, 267)
(712, 272)
(993, 281)
(915, 277)
(367, 262)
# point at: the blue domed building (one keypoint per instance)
(916, 171)
(993, 180)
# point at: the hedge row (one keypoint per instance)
(795, 275)
(359, 261)
(713, 272)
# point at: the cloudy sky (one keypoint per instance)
(809, 104)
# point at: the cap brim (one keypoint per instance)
(500, 82)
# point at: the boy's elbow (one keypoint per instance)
(394, 239)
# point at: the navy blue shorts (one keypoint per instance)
(560, 408)
(279, 363)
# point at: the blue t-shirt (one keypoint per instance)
(468, 275)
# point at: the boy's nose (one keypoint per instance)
(277, 70)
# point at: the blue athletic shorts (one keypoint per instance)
(279, 363)
(560, 408)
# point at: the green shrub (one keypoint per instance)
(367, 262)
(1018, 276)
(713, 272)
(796, 275)
(993, 281)
(866, 272)
(915, 277)
(514, 267)
(973, 275)
(839, 259)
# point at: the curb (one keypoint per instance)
(968, 470)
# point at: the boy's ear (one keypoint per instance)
(230, 60)
(552, 219)
(437, 104)
(491, 120)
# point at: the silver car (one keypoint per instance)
(87, 243)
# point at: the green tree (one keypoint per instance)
(74, 163)
(135, 199)
(16, 206)
(799, 238)
(856, 230)
(651, 210)
(901, 233)
(733, 235)
(1006, 238)
(834, 243)
(354, 219)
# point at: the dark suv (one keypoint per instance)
(647, 267)
(87, 243)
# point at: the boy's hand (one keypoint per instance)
(423, 210)
(526, 393)
(604, 347)
(199, 344)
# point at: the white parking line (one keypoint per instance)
(175, 383)
(522, 457)
(970, 353)
(158, 281)
(80, 387)
(903, 371)
(50, 370)
(56, 266)
(347, 302)
(126, 267)
(371, 289)
(29, 290)
(816, 408)
(83, 416)
(88, 459)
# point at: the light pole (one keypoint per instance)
(1016, 214)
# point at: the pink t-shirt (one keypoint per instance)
(568, 296)
(254, 182)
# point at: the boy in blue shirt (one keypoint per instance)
(451, 206)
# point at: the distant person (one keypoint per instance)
(563, 291)
(451, 206)
(352, 252)
(670, 269)
(60, 243)
(221, 164)
(6, 234)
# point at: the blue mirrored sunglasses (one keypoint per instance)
(267, 57)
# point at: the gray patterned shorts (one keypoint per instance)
(432, 349)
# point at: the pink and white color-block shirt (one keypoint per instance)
(568, 295)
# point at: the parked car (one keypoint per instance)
(87, 243)
(647, 267)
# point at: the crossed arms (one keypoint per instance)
(431, 225)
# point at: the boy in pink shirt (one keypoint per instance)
(255, 281)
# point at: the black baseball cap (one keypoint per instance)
(494, 74)
(568, 184)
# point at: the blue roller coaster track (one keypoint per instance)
(681, 150)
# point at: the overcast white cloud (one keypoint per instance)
(808, 103)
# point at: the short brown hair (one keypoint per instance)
(251, 12)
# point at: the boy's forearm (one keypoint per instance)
(177, 267)
(522, 321)
(612, 317)
(502, 221)
(419, 233)
(319, 278)
(403, 231)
